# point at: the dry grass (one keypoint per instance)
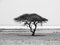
(27, 39)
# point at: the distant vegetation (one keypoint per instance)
(31, 19)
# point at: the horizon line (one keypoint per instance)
(25, 27)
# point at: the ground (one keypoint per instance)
(27, 39)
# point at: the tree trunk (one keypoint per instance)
(33, 33)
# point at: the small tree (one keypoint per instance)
(29, 19)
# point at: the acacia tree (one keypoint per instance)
(29, 19)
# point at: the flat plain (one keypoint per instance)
(19, 38)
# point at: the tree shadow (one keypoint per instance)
(41, 35)
(31, 35)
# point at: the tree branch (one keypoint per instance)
(35, 26)
(30, 27)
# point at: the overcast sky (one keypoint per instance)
(9, 9)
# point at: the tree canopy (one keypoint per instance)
(31, 18)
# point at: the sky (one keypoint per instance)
(10, 9)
